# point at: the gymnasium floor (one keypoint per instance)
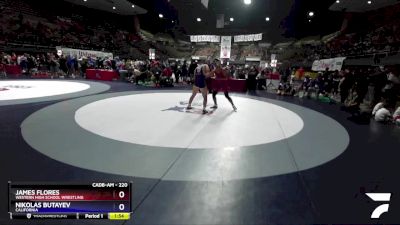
(276, 160)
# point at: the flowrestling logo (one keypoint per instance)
(9, 87)
(16, 87)
(383, 208)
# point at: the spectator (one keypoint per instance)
(192, 67)
(361, 85)
(63, 64)
(392, 88)
(345, 85)
(396, 116)
(377, 107)
(167, 72)
(251, 78)
(383, 114)
(84, 65)
(71, 66)
(24, 63)
(378, 79)
(178, 74)
(185, 71)
(13, 59)
(335, 83)
(54, 66)
(156, 71)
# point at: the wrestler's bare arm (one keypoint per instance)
(207, 72)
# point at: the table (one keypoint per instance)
(40, 75)
(13, 69)
(273, 76)
(107, 75)
(232, 85)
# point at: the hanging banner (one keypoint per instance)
(226, 44)
(204, 38)
(257, 37)
(274, 61)
(216, 38)
(152, 53)
(248, 38)
(205, 3)
(332, 64)
(84, 53)
(253, 59)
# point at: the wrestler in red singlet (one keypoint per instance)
(221, 74)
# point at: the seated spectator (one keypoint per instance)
(167, 72)
(286, 89)
(13, 59)
(383, 115)
(396, 116)
(167, 77)
(351, 105)
(120, 64)
(377, 107)
(156, 73)
(311, 88)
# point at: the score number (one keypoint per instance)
(121, 207)
(121, 195)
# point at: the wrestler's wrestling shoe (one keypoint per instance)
(205, 111)
(189, 108)
(234, 108)
(214, 107)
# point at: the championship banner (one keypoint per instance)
(257, 37)
(274, 61)
(253, 59)
(205, 38)
(226, 44)
(248, 38)
(86, 53)
(333, 64)
(152, 53)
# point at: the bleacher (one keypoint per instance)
(58, 27)
(206, 51)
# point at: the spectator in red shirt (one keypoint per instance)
(14, 59)
(301, 73)
(166, 79)
(167, 72)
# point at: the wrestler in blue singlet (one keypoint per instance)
(200, 78)
(200, 85)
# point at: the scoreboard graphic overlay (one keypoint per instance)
(101, 200)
